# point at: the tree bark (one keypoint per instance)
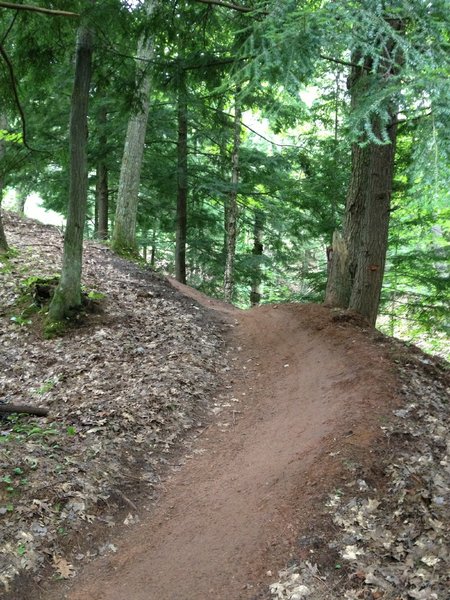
(101, 188)
(359, 253)
(67, 295)
(346, 245)
(368, 275)
(182, 181)
(124, 234)
(3, 243)
(258, 230)
(21, 201)
(231, 208)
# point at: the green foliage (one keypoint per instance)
(53, 329)
(93, 295)
(11, 137)
(274, 55)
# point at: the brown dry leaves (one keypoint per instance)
(395, 542)
(122, 389)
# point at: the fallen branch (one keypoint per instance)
(40, 411)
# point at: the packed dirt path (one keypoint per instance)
(234, 510)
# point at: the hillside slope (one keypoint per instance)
(326, 455)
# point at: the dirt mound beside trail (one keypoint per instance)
(301, 388)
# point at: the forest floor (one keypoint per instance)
(194, 451)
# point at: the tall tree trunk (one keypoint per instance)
(258, 230)
(68, 293)
(3, 243)
(358, 255)
(124, 233)
(368, 276)
(101, 188)
(231, 207)
(182, 181)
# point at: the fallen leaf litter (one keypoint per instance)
(121, 390)
(394, 543)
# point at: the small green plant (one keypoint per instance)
(93, 295)
(5, 265)
(47, 386)
(20, 320)
(54, 329)
(12, 484)
(7, 479)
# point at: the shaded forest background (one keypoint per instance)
(248, 122)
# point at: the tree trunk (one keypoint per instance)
(368, 276)
(182, 181)
(3, 243)
(346, 246)
(124, 234)
(101, 188)
(358, 255)
(20, 203)
(231, 208)
(258, 230)
(68, 293)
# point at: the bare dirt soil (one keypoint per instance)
(233, 513)
(326, 455)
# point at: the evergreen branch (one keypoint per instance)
(15, 93)
(229, 5)
(345, 63)
(267, 139)
(9, 28)
(215, 63)
(31, 8)
(253, 131)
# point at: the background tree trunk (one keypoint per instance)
(231, 209)
(101, 189)
(68, 293)
(182, 181)
(124, 234)
(3, 243)
(258, 231)
(20, 203)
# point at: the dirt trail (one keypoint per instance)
(234, 510)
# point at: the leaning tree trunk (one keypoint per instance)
(3, 243)
(358, 255)
(182, 181)
(123, 239)
(67, 295)
(231, 207)
(258, 230)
